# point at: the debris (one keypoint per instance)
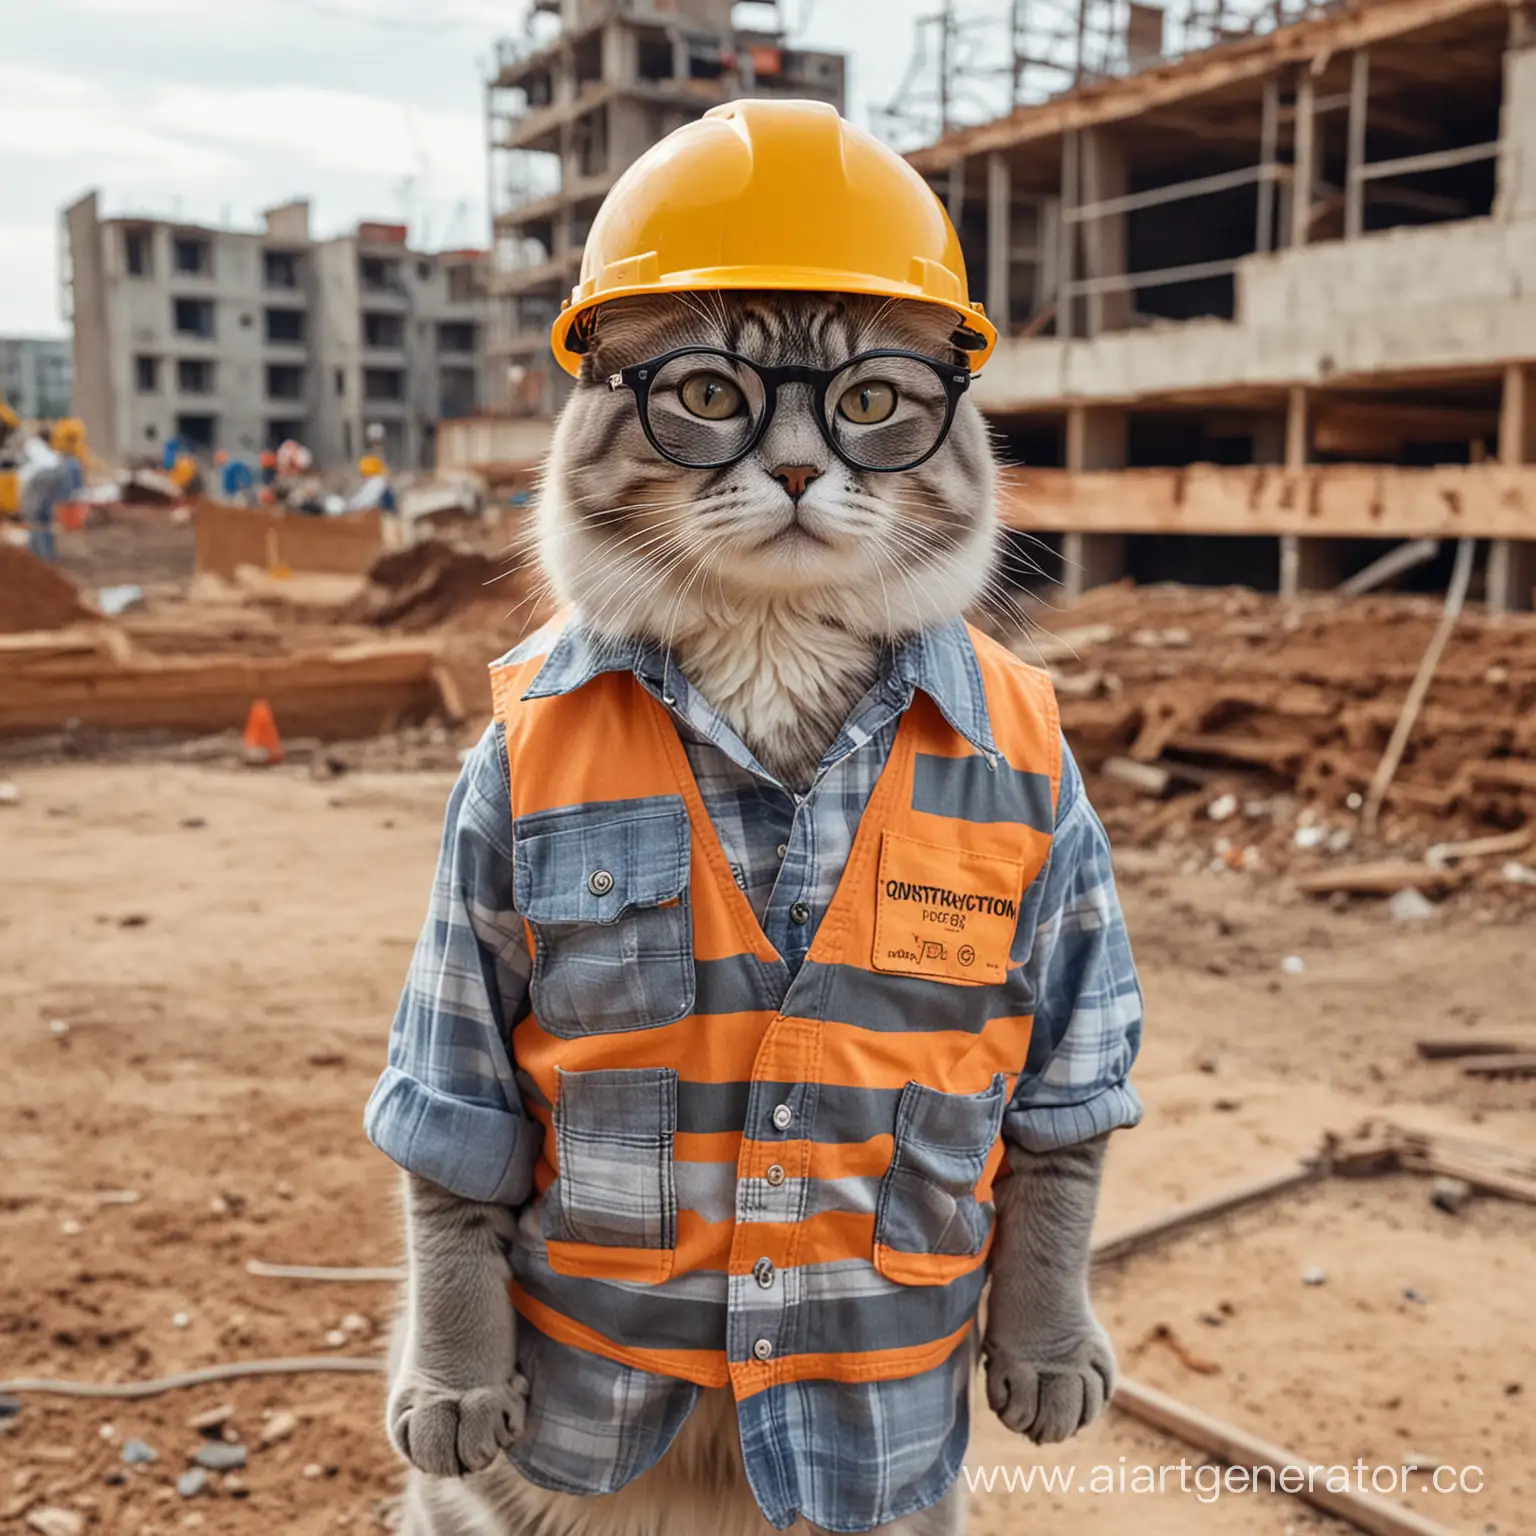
(314, 1469)
(1315, 1275)
(52, 1521)
(355, 1322)
(279, 1427)
(108, 1432)
(1148, 778)
(1415, 1296)
(192, 1483)
(117, 1197)
(1394, 563)
(1440, 854)
(1222, 808)
(1293, 965)
(1449, 1050)
(180, 1320)
(115, 600)
(139, 1453)
(59, 1027)
(70, 1227)
(1226, 1106)
(10, 794)
(211, 1418)
(1449, 1195)
(1164, 1334)
(1515, 873)
(35, 595)
(1310, 837)
(1516, 1064)
(192, 823)
(217, 1456)
(1042, 648)
(1410, 906)
(133, 920)
(1418, 1461)
(335, 1338)
(9, 1407)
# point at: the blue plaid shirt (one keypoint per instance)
(448, 1105)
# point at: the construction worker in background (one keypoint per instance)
(187, 475)
(235, 477)
(45, 482)
(375, 491)
(68, 441)
(268, 463)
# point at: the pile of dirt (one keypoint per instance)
(34, 595)
(1260, 719)
(432, 585)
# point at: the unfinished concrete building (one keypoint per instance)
(567, 112)
(1268, 305)
(236, 339)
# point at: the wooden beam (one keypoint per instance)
(1200, 74)
(1512, 565)
(1071, 183)
(1320, 501)
(1291, 1473)
(1359, 92)
(1268, 134)
(999, 242)
(954, 199)
(1439, 160)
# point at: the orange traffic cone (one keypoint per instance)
(262, 744)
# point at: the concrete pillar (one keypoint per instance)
(1512, 562)
(1304, 171)
(1306, 565)
(999, 242)
(1103, 178)
(1095, 440)
(1516, 196)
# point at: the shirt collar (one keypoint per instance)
(941, 662)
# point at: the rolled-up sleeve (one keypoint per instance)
(447, 1106)
(1088, 1005)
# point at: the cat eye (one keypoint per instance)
(885, 410)
(867, 404)
(711, 395)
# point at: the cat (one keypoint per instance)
(775, 584)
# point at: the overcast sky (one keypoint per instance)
(212, 111)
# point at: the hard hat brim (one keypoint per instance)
(766, 280)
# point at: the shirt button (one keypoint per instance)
(763, 1349)
(776, 1175)
(782, 849)
(799, 913)
(782, 1116)
(762, 1272)
(599, 882)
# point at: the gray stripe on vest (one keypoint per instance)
(873, 1000)
(968, 790)
(738, 984)
(711, 1190)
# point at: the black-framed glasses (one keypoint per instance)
(884, 410)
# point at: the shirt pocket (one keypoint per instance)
(929, 1226)
(611, 1213)
(605, 890)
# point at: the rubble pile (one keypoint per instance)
(36, 595)
(1255, 726)
(432, 585)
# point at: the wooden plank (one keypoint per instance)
(1183, 1218)
(1158, 277)
(1269, 115)
(1305, 170)
(1381, 879)
(1176, 192)
(1293, 1474)
(1323, 501)
(1457, 1047)
(229, 536)
(1437, 160)
(1514, 1064)
(1199, 74)
(335, 695)
(999, 244)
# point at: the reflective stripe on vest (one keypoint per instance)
(747, 1180)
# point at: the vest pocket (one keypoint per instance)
(605, 890)
(929, 1226)
(611, 1213)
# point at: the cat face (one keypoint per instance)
(644, 545)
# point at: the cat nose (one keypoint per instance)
(795, 478)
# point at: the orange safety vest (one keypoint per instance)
(747, 1178)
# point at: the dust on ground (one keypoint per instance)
(226, 947)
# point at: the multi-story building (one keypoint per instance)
(239, 339)
(1267, 306)
(35, 376)
(566, 114)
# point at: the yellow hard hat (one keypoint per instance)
(770, 195)
(68, 435)
(370, 465)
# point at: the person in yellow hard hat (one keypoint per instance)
(774, 1001)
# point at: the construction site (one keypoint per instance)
(1265, 396)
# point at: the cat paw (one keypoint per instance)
(1050, 1394)
(447, 1433)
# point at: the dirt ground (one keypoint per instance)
(197, 970)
